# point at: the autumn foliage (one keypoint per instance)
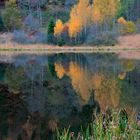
(127, 27)
(84, 14)
(58, 28)
(104, 10)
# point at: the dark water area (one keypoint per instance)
(39, 93)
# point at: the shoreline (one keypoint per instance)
(65, 49)
(125, 43)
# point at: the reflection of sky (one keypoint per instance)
(22, 60)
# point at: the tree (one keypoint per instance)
(104, 10)
(1, 24)
(51, 31)
(58, 28)
(51, 27)
(11, 15)
(80, 18)
(125, 9)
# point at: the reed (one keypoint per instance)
(114, 126)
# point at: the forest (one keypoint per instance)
(69, 22)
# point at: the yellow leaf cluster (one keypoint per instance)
(104, 10)
(58, 28)
(122, 75)
(79, 17)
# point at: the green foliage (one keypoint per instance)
(11, 15)
(51, 27)
(1, 24)
(115, 126)
(131, 27)
(60, 42)
(128, 28)
(125, 8)
(51, 31)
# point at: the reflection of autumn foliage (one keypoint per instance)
(79, 78)
(59, 70)
(122, 75)
(129, 65)
(97, 80)
(107, 88)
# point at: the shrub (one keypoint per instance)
(102, 38)
(23, 38)
(60, 42)
(11, 15)
(19, 36)
(30, 23)
(126, 27)
(130, 27)
(40, 38)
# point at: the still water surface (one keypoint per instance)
(39, 93)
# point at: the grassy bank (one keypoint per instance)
(65, 49)
(115, 126)
(125, 43)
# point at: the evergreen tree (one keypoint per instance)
(51, 27)
(51, 31)
(1, 24)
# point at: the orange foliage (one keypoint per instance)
(121, 20)
(79, 17)
(58, 28)
(59, 70)
(107, 91)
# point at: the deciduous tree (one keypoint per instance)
(58, 28)
(104, 10)
(11, 15)
(80, 17)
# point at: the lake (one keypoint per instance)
(42, 92)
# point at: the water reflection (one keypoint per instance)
(39, 93)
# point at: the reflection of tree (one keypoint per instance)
(15, 77)
(108, 93)
(130, 88)
(78, 76)
(129, 65)
(2, 71)
(107, 88)
(12, 112)
(59, 70)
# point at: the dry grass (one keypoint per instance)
(126, 43)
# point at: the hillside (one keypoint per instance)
(69, 22)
